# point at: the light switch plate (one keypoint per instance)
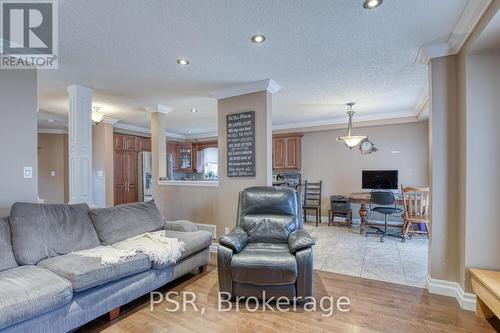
(100, 174)
(52, 173)
(28, 172)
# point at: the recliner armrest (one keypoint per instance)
(300, 239)
(235, 240)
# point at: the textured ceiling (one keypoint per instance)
(323, 53)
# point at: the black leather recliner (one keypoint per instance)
(268, 250)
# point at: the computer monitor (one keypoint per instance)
(380, 179)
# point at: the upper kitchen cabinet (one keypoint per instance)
(131, 143)
(144, 144)
(185, 157)
(287, 151)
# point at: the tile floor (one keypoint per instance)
(345, 251)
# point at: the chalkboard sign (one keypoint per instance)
(240, 129)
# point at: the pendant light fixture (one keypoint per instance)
(350, 140)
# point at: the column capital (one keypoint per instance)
(78, 89)
(247, 88)
(160, 108)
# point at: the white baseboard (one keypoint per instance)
(467, 301)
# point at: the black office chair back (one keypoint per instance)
(382, 197)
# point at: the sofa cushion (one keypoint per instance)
(194, 241)
(180, 225)
(7, 259)
(124, 221)
(264, 264)
(85, 272)
(41, 231)
(28, 291)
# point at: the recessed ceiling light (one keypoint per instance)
(370, 4)
(257, 39)
(193, 110)
(183, 62)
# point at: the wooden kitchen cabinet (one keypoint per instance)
(287, 151)
(279, 153)
(144, 144)
(125, 166)
(184, 157)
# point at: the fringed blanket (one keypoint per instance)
(159, 248)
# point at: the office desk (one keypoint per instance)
(363, 198)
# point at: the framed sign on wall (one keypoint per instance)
(240, 129)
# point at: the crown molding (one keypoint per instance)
(470, 17)
(146, 130)
(409, 115)
(202, 135)
(422, 100)
(52, 131)
(430, 51)
(247, 88)
(110, 120)
(468, 20)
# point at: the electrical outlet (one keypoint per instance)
(226, 230)
(28, 172)
(52, 173)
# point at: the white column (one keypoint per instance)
(159, 141)
(80, 145)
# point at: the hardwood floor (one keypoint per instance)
(375, 307)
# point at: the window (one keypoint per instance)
(210, 158)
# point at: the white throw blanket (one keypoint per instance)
(159, 248)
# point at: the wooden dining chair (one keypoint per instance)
(416, 210)
(312, 199)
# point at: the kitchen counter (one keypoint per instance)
(199, 183)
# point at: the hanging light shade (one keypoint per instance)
(350, 140)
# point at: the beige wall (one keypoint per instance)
(261, 103)
(18, 137)
(52, 156)
(102, 165)
(339, 168)
(482, 243)
(444, 135)
(218, 205)
(464, 112)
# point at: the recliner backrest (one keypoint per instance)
(268, 214)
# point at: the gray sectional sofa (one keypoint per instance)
(45, 288)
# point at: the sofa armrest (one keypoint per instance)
(235, 240)
(299, 240)
(180, 225)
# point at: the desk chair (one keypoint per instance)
(386, 204)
